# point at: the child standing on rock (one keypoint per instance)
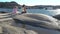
(23, 9)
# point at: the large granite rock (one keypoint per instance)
(57, 16)
(12, 26)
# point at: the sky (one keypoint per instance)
(35, 2)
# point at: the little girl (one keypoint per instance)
(23, 9)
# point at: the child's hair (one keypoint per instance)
(23, 5)
(15, 6)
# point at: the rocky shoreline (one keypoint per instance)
(10, 26)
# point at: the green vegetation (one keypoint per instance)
(12, 4)
(8, 4)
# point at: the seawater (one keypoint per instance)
(42, 11)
